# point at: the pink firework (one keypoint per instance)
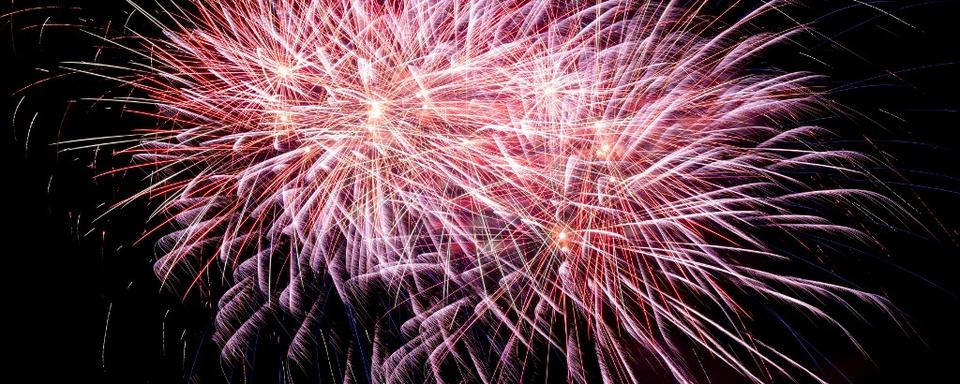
(483, 183)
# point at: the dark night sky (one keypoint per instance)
(63, 274)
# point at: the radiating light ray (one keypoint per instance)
(518, 176)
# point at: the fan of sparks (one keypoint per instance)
(487, 185)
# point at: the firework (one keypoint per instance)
(482, 185)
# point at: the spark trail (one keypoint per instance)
(482, 182)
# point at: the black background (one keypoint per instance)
(72, 285)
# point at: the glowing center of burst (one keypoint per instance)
(603, 150)
(563, 241)
(549, 90)
(376, 110)
(284, 71)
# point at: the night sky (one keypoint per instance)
(74, 285)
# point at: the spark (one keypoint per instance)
(440, 144)
(284, 71)
(376, 110)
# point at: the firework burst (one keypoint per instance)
(482, 184)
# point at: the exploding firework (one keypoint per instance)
(482, 186)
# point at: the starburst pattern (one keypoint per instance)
(480, 183)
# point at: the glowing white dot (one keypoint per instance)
(375, 111)
(562, 236)
(549, 90)
(284, 71)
